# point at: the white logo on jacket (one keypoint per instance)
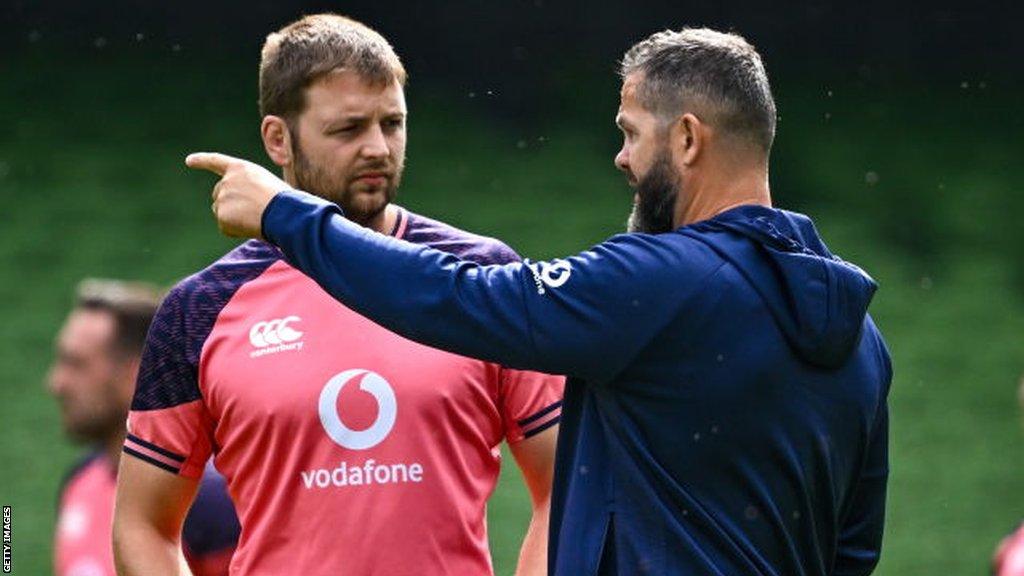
(274, 336)
(553, 274)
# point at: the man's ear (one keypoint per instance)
(688, 138)
(277, 140)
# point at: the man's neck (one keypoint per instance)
(384, 221)
(710, 197)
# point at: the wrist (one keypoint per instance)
(266, 218)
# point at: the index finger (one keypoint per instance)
(213, 161)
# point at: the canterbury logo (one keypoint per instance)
(551, 274)
(275, 336)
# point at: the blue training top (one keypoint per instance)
(726, 409)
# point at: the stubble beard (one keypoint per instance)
(95, 428)
(357, 206)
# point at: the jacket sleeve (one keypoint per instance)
(584, 316)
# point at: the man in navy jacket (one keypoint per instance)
(726, 410)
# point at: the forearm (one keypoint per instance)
(533, 555)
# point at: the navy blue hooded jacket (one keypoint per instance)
(726, 406)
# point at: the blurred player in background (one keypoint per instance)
(349, 450)
(92, 379)
(1009, 556)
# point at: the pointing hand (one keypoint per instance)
(242, 193)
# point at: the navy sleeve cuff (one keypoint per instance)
(282, 209)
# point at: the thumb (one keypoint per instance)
(212, 161)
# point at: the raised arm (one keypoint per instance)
(586, 315)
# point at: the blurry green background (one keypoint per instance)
(906, 151)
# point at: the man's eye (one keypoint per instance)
(342, 130)
(394, 123)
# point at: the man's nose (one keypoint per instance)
(55, 381)
(376, 144)
(622, 160)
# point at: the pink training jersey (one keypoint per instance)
(1009, 558)
(85, 515)
(348, 450)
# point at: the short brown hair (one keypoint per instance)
(703, 70)
(132, 304)
(303, 51)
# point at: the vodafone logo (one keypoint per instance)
(355, 474)
(372, 384)
(274, 336)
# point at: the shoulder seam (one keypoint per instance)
(183, 332)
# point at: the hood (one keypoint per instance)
(817, 300)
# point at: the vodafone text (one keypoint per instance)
(366, 473)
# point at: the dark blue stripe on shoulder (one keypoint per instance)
(538, 415)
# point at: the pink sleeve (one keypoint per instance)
(531, 402)
(177, 439)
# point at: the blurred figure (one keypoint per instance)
(93, 379)
(1009, 557)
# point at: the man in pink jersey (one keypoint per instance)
(92, 378)
(348, 450)
(1008, 559)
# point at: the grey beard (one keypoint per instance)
(653, 213)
